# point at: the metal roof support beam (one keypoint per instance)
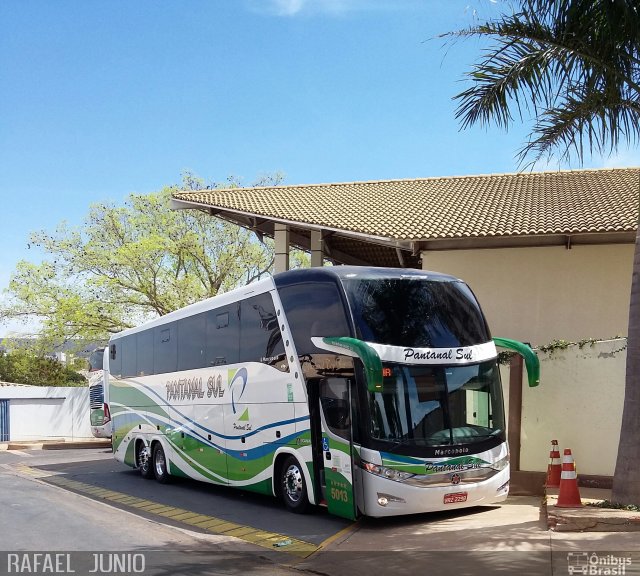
(317, 249)
(281, 238)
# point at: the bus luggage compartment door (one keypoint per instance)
(337, 446)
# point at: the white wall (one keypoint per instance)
(542, 294)
(43, 413)
(579, 403)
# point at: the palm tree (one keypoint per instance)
(574, 65)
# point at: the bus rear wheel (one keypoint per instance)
(160, 468)
(293, 487)
(143, 460)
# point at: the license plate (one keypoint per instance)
(455, 497)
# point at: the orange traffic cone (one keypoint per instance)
(555, 468)
(569, 495)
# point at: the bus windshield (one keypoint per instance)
(429, 406)
(416, 312)
(95, 360)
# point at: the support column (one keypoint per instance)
(317, 249)
(424, 258)
(281, 238)
(514, 421)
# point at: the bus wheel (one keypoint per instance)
(294, 489)
(160, 464)
(144, 461)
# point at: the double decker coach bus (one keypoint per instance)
(371, 391)
(99, 416)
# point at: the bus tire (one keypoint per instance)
(143, 460)
(293, 487)
(160, 469)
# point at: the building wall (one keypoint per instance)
(579, 403)
(43, 413)
(542, 294)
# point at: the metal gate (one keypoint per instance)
(4, 420)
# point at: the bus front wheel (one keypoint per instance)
(144, 461)
(160, 464)
(293, 486)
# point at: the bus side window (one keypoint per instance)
(314, 309)
(192, 334)
(144, 348)
(128, 352)
(334, 398)
(223, 336)
(165, 348)
(260, 333)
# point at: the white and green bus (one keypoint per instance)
(99, 416)
(371, 391)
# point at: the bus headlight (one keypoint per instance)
(501, 464)
(384, 472)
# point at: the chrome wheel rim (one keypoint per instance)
(160, 462)
(293, 483)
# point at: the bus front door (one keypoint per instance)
(337, 446)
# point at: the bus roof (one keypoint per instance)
(300, 275)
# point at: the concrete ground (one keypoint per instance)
(510, 538)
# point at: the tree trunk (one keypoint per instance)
(626, 480)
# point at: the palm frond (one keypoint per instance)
(584, 123)
(574, 65)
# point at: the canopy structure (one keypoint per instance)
(393, 222)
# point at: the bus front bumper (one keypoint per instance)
(384, 497)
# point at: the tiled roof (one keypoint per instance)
(525, 204)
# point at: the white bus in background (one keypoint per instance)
(99, 415)
(370, 391)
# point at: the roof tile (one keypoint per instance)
(534, 203)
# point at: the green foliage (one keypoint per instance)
(24, 367)
(572, 65)
(129, 263)
(615, 505)
(556, 345)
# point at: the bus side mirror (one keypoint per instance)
(531, 360)
(368, 356)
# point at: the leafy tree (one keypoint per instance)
(574, 65)
(22, 366)
(130, 263)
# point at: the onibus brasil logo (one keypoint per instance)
(597, 564)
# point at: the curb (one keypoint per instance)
(588, 518)
(55, 445)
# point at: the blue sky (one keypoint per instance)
(101, 99)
